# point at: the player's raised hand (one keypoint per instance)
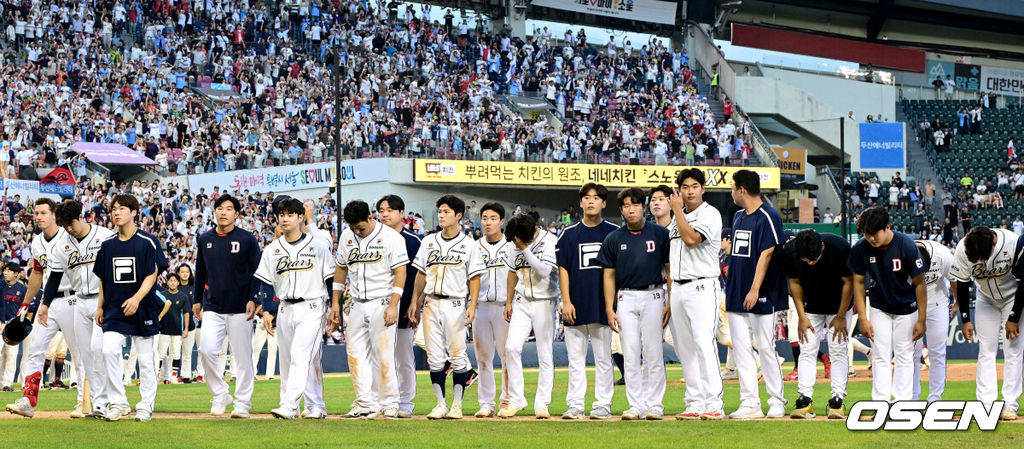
(568, 312)
(1012, 330)
(750, 301)
(268, 320)
(250, 310)
(43, 314)
(968, 330)
(675, 201)
(130, 306)
(918, 330)
(334, 318)
(803, 325)
(839, 331)
(613, 320)
(866, 329)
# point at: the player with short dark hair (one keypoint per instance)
(11, 293)
(635, 261)
(658, 203)
(821, 285)
(939, 261)
(127, 269)
(755, 289)
(391, 209)
(490, 328)
(224, 299)
(580, 283)
(899, 302)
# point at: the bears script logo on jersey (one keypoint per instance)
(435, 258)
(287, 265)
(357, 257)
(492, 262)
(1001, 269)
(76, 259)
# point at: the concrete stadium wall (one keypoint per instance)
(842, 94)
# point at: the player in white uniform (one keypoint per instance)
(60, 314)
(74, 256)
(939, 261)
(490, 327)
(695, 235)
(373, 258)
(447, 285)
(300, 268)
(533, 283)
(989, 258)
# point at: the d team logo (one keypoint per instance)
(124, 270)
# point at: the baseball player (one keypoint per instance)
(755, 289)
(490, 327)
(226, 259)
(10, 309)
(61, 315)
(300, 270)
(939, 261)
(184, 272)
(260, 339)
(992, 259)
(821, 285)
(899, 302)
(126, 266)
(533, 283)
(580, 283)
(635, 263)
(372, 256)
(391, 209)
(695, 235)
(449, 266)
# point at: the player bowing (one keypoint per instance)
(372, 256)
(300, 269)
(939, 261)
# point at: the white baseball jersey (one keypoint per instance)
(297, 270)
(371, 261)
(993, 278)
(321, 234)
(494, 280)
(701, 260)
(449, 264)
(75, 259)
(936, 278)
(44, 250)
(531, 284)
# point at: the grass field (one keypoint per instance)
(494, 433)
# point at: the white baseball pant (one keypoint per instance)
(168, 349)
(539, 315)
(444, 332)
(489, 332)
(935, 332)
(694, 319)
(9, 364)
(988, 324)
(640, 333)
(112, 344)
(61, 320)
(892, 367)
(233, 328)
(259, 339)
(807, 368)
(188, 344)
(299, 328)
(746, 329)
(90, 338)
(600, 336)
(405, 359)
(369, 340)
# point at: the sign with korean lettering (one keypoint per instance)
(882, 145)
(292, 177)
(575, 175)
(639, 10)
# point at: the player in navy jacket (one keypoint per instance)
(126, 266)
(899, 300)
(226, 259)
(11, 292)
(755, 288)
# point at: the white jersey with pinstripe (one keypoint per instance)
(993, 277)
(371, 261)
(297, 270)
(43, 250)
(700, 260)
(494, 280)
(531, 284)
(448, 264)
(936, 279)
(75, 258)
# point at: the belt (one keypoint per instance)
(687, 281)
(443, 297)
(82, 296)
(296, 300)
(642, 289)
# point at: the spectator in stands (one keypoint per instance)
(873, 192)
(1018, 226)
(950, 87)
(966, 218)
(967, 182)
(828, 216)
(964, 121)
(894, 194)
(1002, 180)
(929, 195)
(997, 199)
(1018, 184)
(939, 85)
(976, 119)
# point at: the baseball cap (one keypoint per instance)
(726, 233)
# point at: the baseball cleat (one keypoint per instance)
(116, 412)
(508, 411)
(835, 408)
(630, 415)
(804, 408)
(484, 412)
(404, 414)
(239, 414)
(8, 388)
(455, 412)
(97, 413)
(776, 411)
(220, 405)
(573, 413)
(389, 413)
(541, 413)
(77, 412)
(621, 381)
(791, 376)
(656, 415)
(472, 378)
(315, 414)
(852, 372)
(729, 374)
(712, 415)
(143, 415)
(439, 411)
(281, 413)
(303, 414)
(22, 407)
(689, 414)
(600, 413)
(747, 413)
(1008, 415)
(357, 413)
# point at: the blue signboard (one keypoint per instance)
(882, 145)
